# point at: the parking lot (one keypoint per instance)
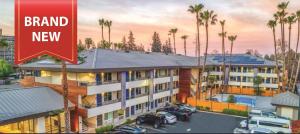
(201, 122)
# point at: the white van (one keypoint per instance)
(276, 125)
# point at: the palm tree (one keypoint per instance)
(209, 18)
(102, 23)
(272, 24)
(211, 82)
(108, 24)
(196, 9)
(3, 45)
(184, 37)
(223, 35)
(290, 20)
(173, 31)
(280, 15)
(298, 66)
(231, 38)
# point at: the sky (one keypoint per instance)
(245, 18)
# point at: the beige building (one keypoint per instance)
(287, 105)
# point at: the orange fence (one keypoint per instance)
(250, 91)
(216, 106)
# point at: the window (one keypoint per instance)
(138, 91)
(99, 120)
(108, 96)
(138, 75)
(138, 107)
(108, 116)
(252, 122)
(244, 79)
(107, 77)
(273, 124)
(268, 80)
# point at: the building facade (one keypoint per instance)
(7, 53)
(112, 86)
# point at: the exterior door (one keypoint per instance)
(99, 100)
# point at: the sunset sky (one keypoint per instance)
(245, 18)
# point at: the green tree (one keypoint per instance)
(231, 99)
(211, 83)
(156, 43)
(104, 45)
(166, 48)
(256, 82)
(131, 42)
(4, 45)
(184, 37)
(173, 31)
(102, 24)
(108, 24)
(88, 43)
(5, 69)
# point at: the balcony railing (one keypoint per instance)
(110, 102)
(85, 84)
(158, 91)
(137, 96)
(137, 79)
(88, 106)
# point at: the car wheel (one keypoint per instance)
(138, 122)
(165, 121)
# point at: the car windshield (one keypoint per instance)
(168, 114)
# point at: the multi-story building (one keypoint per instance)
(7, 53)
(112, 86)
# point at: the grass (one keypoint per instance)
(104, 129)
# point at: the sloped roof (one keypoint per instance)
(101, 59)
(286, 99)
(18, 103)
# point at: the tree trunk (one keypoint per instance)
(102, 33)
(205, 56)
(109, 36)
(289, 56)
(275, 50)
(184, 47)
(199, 82)
(284, 58)
(297, 71)
(229, 63)
(65, 94)
(223, 54)
(174, 42)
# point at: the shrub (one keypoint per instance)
(128, 121)
(235, 112)
(104, 129)
(203, 108)
(230, 99)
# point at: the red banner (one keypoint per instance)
(45, 27)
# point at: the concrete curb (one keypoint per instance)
(221, 114)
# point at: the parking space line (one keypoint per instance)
(157, 130)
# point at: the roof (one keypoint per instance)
(104, 59)
(286, 99)
(20, 103)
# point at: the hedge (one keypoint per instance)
(128, 121)
(203, 108)
(104, 129)
(235, 112)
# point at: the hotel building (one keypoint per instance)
(8, 52)
(112, 86)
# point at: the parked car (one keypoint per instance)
(276, 125)
(187, 107)
(130, 129)
(152, 119)
(169, 118)
(261, 113)
(180, 114)
(254, 130)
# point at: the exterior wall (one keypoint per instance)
(288, 112)
(41, 128)
(185, 84)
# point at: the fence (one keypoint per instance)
(216, 106)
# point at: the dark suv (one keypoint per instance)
(151, 119)
(182, 115)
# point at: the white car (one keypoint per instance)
(187, 107)
(254, 130)
(169, 118)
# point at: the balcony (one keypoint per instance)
(92, 112)
(161, 94)
(141, 82)
(160, 80)
(137, 100)
(101, 87)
